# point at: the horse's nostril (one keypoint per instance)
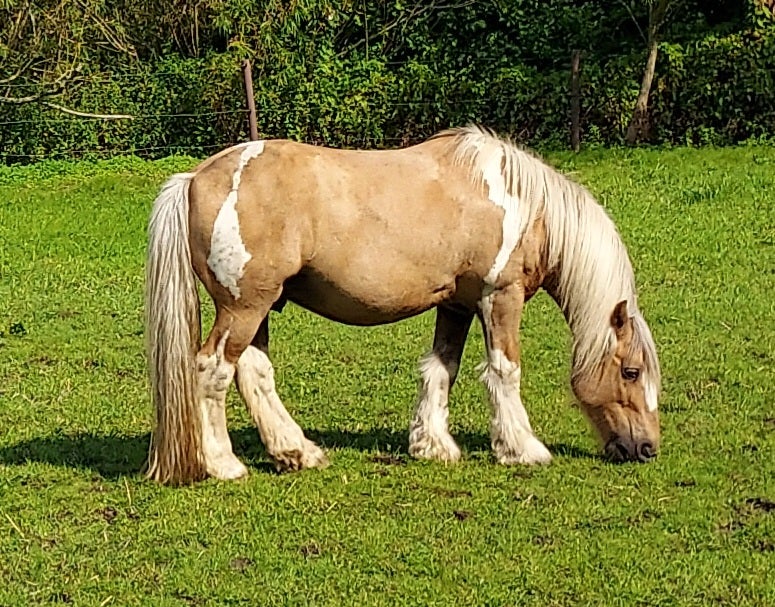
(616, 451)
(646, 451)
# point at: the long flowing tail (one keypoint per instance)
(173, 328)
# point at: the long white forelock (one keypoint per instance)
(652, 378)
(598, 274)
(228, 255)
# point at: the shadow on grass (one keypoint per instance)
(383, 439)
(115, 455)
(109, 455)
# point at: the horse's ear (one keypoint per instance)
(620, 319)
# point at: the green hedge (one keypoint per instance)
(718, 90)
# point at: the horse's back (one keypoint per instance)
(360, 236)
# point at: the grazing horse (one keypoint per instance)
(464, 222)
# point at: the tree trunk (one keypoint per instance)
(640, 124)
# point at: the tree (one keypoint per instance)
(46, 47)
(639, 128)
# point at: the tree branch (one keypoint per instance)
(658, 15)
(18, 73)
(21, 100)
(66, 110)
(634, 20)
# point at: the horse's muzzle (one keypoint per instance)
(619, 451)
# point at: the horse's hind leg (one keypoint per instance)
(429, 437)
(215, 367)
(284, 440)
(512, 436)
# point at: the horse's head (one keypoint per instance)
(619, 394)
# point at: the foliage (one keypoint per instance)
(47, 46)
(729, 81)
(79, 524)
(376, 74)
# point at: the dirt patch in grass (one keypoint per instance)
(310, 550)
(387, 459)
(241, 563)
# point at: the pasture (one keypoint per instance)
(80, 525)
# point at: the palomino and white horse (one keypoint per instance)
(464, 222)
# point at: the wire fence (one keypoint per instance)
(195, 119)
(449, 102)
(66, 118)
(54, 115)
(170, 150)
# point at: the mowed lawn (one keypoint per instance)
(80, 525)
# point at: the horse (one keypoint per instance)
(465, 222)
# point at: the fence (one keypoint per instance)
(719, 92)
(247, 116)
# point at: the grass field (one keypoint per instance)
(79, 524)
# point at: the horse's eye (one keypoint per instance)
(631, 373)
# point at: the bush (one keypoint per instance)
(720, 90)
(319, 78)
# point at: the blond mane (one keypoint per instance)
(585, 250)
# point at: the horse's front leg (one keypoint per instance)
(512, 436)
(429, 437)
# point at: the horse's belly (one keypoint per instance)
(367, 301)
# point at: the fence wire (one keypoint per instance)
(68, 118)
(58, 116)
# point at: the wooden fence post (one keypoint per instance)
(252, 121)
(575, 102)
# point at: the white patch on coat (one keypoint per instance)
(228, 254)
(512, 227)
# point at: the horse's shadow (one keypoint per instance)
(112, 456)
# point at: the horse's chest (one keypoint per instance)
(528, 264)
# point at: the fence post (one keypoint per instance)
(247, 74)
(575, 102)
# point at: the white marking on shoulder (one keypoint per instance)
(512, 227)
(228, 254)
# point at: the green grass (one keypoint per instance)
(80, 525)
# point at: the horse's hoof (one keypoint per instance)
(438, 449)
(227, 469)
(294, 460)
(533, 452)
